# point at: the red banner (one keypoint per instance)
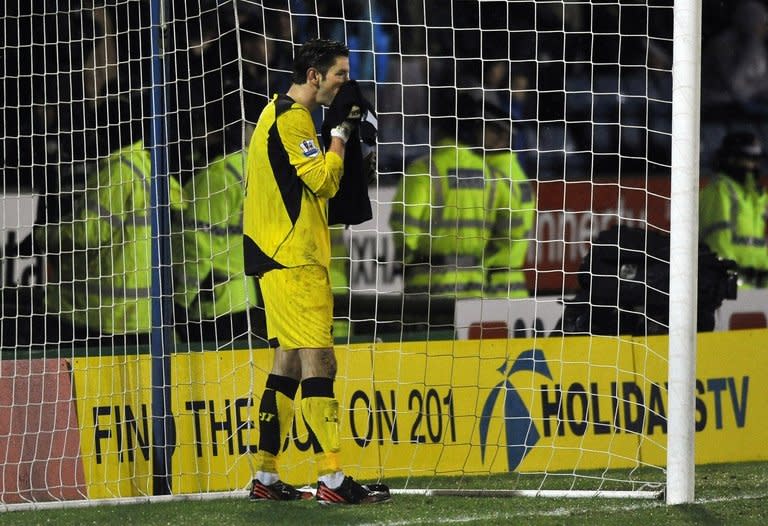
(39, 434)
(571, 214)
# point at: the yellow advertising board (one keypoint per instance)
(425, 408)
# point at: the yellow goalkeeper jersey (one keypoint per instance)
(288, 183)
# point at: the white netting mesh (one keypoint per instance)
(572, 99)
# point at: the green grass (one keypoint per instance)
(725, 494)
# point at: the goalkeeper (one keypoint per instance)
(286, 244)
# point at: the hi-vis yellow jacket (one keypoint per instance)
(513, 229)
(288, 183)
(462, 224)
(209, 253)
(732, 221)
(105, 251)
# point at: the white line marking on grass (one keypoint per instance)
(466, 518)
(731, 498)
(557, 512)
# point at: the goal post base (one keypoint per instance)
(409, 492)
(121, 501)
(559, 494)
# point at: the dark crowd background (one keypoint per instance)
(587, 85)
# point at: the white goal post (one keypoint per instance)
(476, 354)
(686, 88)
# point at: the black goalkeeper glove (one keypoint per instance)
(344, 113)
(348, 125)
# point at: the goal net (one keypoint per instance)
(500, 322)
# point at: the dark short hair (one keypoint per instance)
(317, 53)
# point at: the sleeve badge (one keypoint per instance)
(308, 148)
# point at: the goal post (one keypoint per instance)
(161, 341)
(485, 345)
(686, 97)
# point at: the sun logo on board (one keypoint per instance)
(519, 430)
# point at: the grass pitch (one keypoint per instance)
(725, 494)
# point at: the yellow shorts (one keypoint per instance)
(299, 307)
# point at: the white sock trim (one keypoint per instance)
(267, 478)
(333, 480)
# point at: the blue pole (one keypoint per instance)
(163, 429)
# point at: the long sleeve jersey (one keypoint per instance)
(288, 183)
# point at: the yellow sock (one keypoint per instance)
(320, 410)
(266, 462)
(322, 417)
